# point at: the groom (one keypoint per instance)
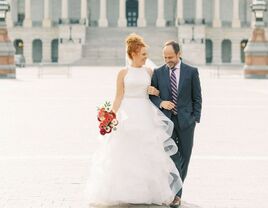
(180, 100)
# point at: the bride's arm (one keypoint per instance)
(119, 90)
(151, 89)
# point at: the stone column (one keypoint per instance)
(103, 22)
(236, 57)
(64, 11)
(217, 51)
(46, 51)
(141, 19)
(47, 20)
(9, 17)
(27, 51)
(252, 23)
(216, 19)
(122, 22)
(160, 22)
(179, 19)
(199, 12)
(84, 12)
(28, 16)
(236, 20)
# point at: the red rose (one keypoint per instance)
(102, 126)
(105, 122)
(102, 132)
(113, 114)
(100, 114)
(109, 119)
(107, 115)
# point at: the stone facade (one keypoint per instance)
(56, 30)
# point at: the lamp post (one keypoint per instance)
(7, 51)
(70, 34)
(193, 39)
(258, 7)
(256, 51)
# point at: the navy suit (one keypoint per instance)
(189, 104)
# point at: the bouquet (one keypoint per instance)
(107, 119)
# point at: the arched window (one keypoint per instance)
(209, 51)
(54, 50)
(37, 53)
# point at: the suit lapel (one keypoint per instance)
(182, 76)
(167, 77)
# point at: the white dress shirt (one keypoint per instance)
(177, 72)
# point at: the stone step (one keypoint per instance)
(107, 45)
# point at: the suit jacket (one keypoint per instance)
(189, 100)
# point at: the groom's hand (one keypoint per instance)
(153, 91)
(167, 105)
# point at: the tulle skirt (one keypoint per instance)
(133, 164)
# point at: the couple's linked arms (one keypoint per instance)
(196, 96)
(120, 89)
(152, 91)
(168, 105)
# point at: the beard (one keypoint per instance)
(171, 64)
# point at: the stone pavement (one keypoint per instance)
(47, 138)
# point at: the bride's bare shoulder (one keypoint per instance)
(122, 72)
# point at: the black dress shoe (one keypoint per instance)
(176, 203)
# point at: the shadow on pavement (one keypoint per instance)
(188, 205)
(184, 205)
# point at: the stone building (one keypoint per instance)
(92, 32)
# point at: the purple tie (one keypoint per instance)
(174, 90)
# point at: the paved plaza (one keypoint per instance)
(48, 134)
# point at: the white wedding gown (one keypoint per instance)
(133, 164)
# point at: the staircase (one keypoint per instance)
(106, 46)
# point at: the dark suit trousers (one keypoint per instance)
(184, 141)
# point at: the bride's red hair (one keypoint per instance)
(134, 43)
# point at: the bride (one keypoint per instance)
(133, 164)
